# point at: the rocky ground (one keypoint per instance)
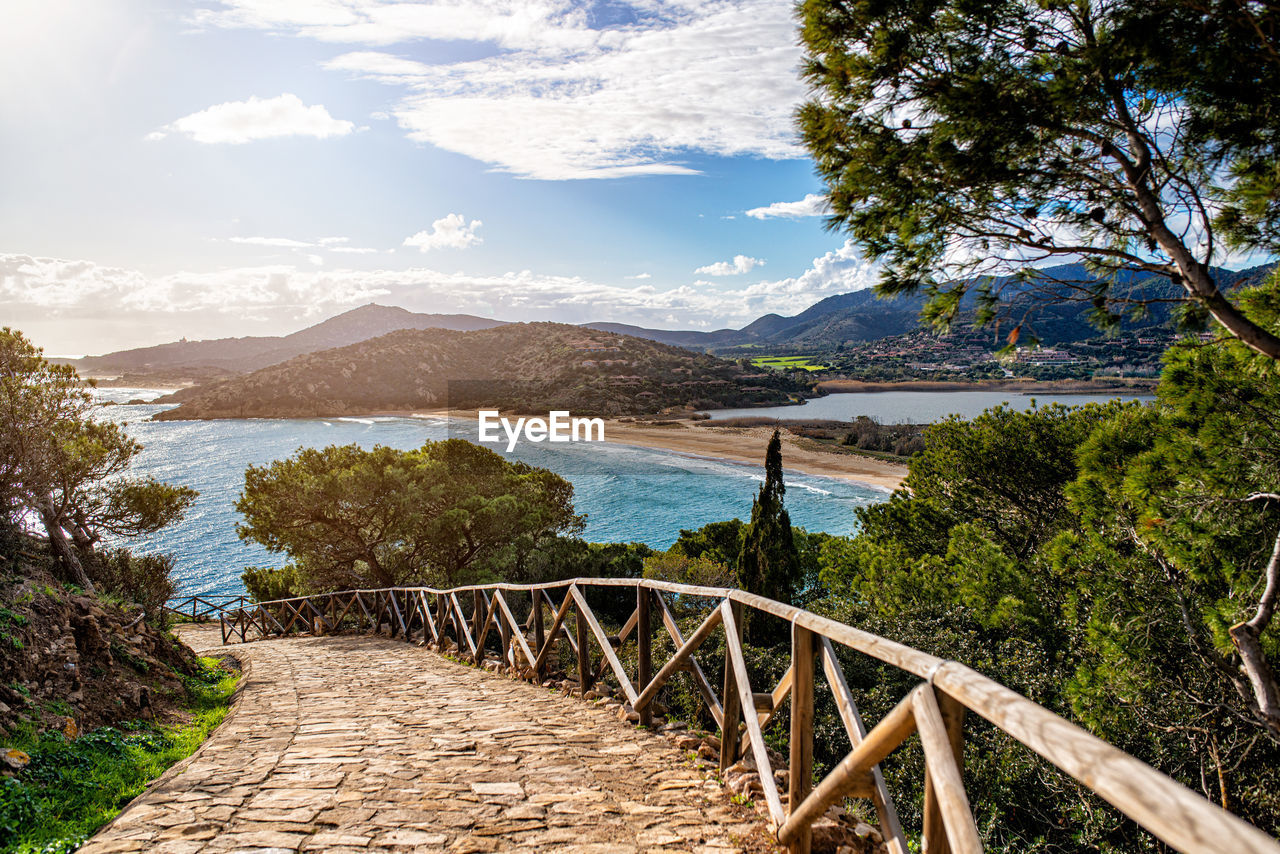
(76, 662)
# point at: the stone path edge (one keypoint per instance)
(237, 699)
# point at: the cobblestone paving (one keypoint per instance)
(367, 744)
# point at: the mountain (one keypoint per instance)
(860, 316)
(221, 356)
(526, 367)
(693, 340)
(838, 320)
(856, 316)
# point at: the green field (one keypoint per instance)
(787, 363)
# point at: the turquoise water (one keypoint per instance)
(628, 494)
(915, 407)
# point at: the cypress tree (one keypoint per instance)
(769, 563)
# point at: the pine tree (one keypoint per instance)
(967, 144)
(769, 563)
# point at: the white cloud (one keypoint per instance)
(328, 244)
(238, 122)
(636, 91)
(277, 242)
(449, 232)
(640, 276)
(510, 24)
(40, 290)
(739, 265)
(839, 271)
(811, 205)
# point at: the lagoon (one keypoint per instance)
(914, 407)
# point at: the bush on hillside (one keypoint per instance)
(140, 579)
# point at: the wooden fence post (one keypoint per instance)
(441, 619)
(477, 622)
(803, 647)
(504, 634)
(729, 735)
(644, 652)
(934, 835)
(584, 648)
(539, 634)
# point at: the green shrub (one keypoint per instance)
(140, 579)
(72, 787)
(266, 583)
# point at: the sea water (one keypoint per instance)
(628, 494)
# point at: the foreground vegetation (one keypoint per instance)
(72, 785)
(97, 698)
(1115, 563)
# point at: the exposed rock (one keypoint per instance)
(688, 742)
(99, 658)
(15, 759)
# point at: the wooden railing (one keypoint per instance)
(935, 708)
(204, 606)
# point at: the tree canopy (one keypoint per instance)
(1119, 564)
(966, 140)
(66, 469)
(350, 517)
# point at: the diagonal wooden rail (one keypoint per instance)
(935, 708)
(203, 606)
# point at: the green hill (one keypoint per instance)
(532, 367)
(218, 357)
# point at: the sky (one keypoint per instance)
(212, 168)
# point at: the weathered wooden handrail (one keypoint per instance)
(202, 607)
(934, 708)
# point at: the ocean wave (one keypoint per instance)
(792, 484)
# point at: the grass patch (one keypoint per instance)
(71, 787)
(835, 446)
(788, 363)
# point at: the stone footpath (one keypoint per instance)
(366, 744)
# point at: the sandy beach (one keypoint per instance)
(748, 444)
(734, 444)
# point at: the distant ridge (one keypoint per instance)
(838, 320)
(859, 316)
(223, 356)
(856, 316)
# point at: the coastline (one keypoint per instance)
(741, 445)
(748, 444)
(707, 440)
